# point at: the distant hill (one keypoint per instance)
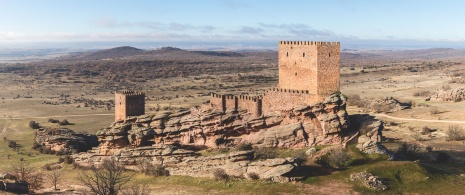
(117, 52)
(164, 53)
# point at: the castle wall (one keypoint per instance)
(311, 66)
(328, 69)
(251, 104)
(297, 65)
(231, 102)
(218, 102)
(129, 103)
(120, 108)
(277, 99)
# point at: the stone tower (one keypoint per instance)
(309, 66)
(129, 103)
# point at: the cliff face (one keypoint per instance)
(322, 123)
(65, 140)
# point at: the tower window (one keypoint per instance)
(295, 74)
(329, 54)
(303, 54)
(287, 54)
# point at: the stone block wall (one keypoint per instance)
(297, 65)
(218, 102)
(312, 66)
(328, 78)
(251, 104)
(231, 102)
(129, 103)
(277, 99)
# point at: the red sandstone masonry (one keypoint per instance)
(129, 103)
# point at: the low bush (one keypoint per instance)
(253, 176)
(408, 151)
(153, 170)
(243, 146)
(338, 158)
(262, 153)
(425, 130)
(220, 175)
(455, 132)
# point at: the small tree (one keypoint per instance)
(107, 180)
(26, 173)
(54, 177)
(455, 132)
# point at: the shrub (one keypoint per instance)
(68, 159)
(454, 132)
(220, 175)
(442, 157)
(253, 176)
(64, 122)
(12, 144)
(51, 120)
(34, 125)
(262, 153)
(425, 130)
(153, 170)
(338, 158)
(243, 147)
(408, 151)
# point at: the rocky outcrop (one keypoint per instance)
(368, 180)
(370, 134)
(8, 183)
(153, 139)
(65, 140)
(322, 123)
(457, 94)
(186, 162)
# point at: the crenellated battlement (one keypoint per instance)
(288, 90)
(129, 103)
(129, 92)
(309, 43)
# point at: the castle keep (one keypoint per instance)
(308, 72)
(129, 103)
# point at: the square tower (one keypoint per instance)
(309, 66)
(129, 103)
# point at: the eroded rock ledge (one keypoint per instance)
(322, 123)
(186, 162)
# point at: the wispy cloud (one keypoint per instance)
(151, 25)
(250, 30)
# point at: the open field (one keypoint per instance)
(81, 89)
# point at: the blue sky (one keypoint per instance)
(418, 21)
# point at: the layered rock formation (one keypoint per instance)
(370, 135)
(322, 123)
(65, 140)
(186, 162)
(457, 94)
